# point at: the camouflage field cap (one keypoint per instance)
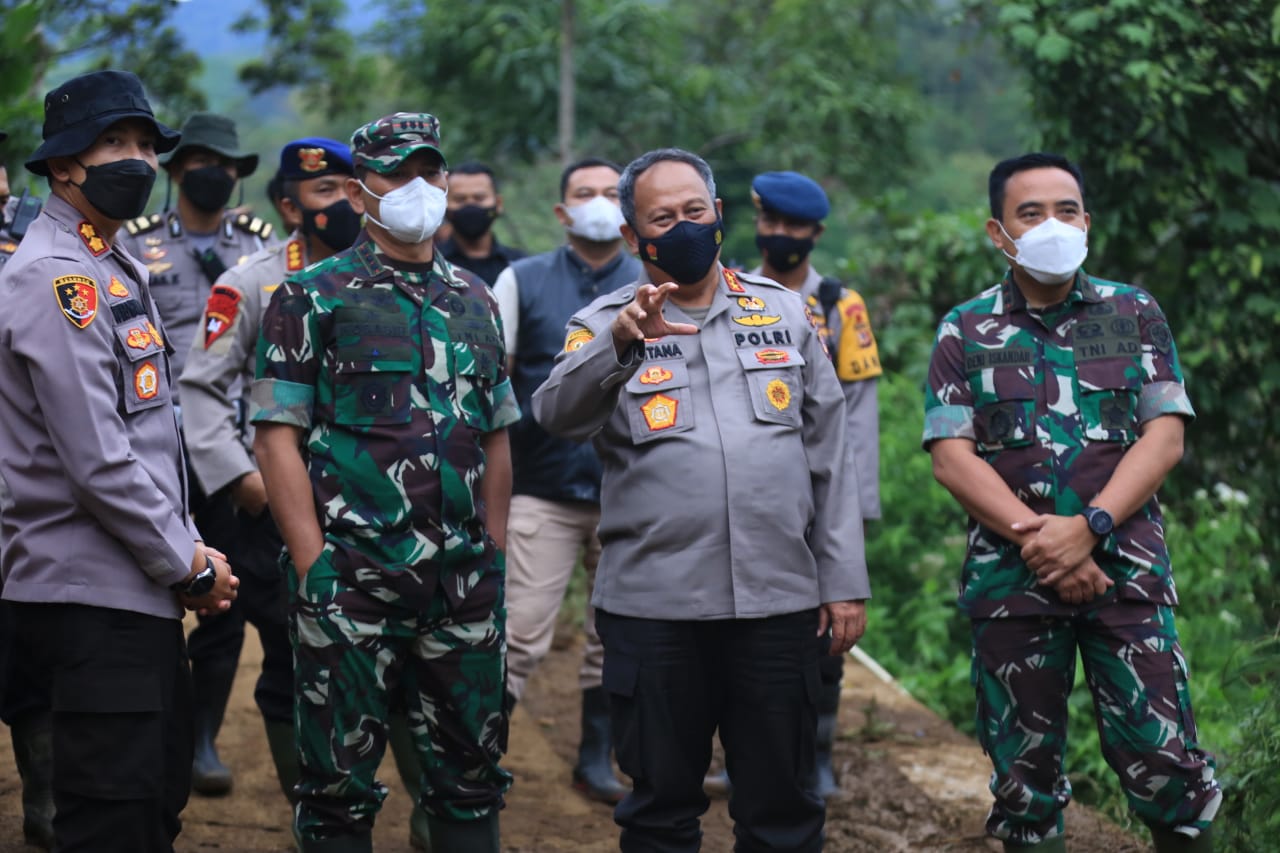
(381, 145)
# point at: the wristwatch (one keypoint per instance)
(1100, 521)
(201, 583)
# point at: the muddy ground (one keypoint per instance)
(910, 782)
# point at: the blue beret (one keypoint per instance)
(314, 156)
(790, 194)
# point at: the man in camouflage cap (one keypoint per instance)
(382, 398)
(1055, 408)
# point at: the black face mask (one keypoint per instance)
(118, 190)
(785, 253)
(472, 220)
(686, 252)
(208, 188)
(337, 225)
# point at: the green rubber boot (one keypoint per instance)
(406, 756)
(472, 836)
(1168, 841)
(1051, 845)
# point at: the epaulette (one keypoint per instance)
(142, 224)
(621, 296)
(759, 279)
(253, 225)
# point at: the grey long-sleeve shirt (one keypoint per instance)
(727, 490)
(92, 482)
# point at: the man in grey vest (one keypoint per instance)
(555, 503)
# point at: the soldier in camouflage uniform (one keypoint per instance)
(1055, 407)
(382, 399)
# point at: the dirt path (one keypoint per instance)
(911, 782)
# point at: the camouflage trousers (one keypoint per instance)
(356, 652)
(1023, 671)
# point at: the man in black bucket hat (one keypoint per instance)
(186, 249)
(100, 556)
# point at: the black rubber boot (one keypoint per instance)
(1052, 845)
(472, 836)
(32, 736)
(362, 843)
(1168, 841)
(828, 713)
(212, 681)
(593, 774)
(284, 754)
(406, 755)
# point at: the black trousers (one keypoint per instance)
(253, 547)
(121, 696)
(672, 684)
(24, 689)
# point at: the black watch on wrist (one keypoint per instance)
(1100, 521)
(201, 583)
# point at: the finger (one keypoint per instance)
(681, 329)
(823, 621)
(839, 634)
(1030, 523)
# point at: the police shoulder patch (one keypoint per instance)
(78, 298)
(220, 312)
(577, 339)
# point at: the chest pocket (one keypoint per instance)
(145, 381)
(1004, 414)
(475, 354)
(373, 367)
(775, 382)
(1108, 391)
(657, 401)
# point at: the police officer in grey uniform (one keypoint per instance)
(100, 555)
(729, 518)
(185, 251)
(312, 175)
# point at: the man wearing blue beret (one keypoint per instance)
(790, 208)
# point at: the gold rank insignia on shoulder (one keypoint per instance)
(578, 339)
(143, 224)
(293, 256)
(731, 282)
(78, 298)
(92, 239)
(253, 225)
(758, 319)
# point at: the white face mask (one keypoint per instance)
(413, 212)
(1051, 252)
(596, 220)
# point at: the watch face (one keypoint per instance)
(1099, 521)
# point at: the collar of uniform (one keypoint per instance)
(62, 210)
(1011, 298)
(454, 254)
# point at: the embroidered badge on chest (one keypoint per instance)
(757, 319)
(778, 394)
(655, 376)
(772, 356)
(577, 339)
(78, 298)
(117, 288)
(220, 312)
(660, 412)
(146, 381)
(138, 338)
(750, 303)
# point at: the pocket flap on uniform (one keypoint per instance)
(767, 358)
(379, 366)
(659, 375)
(106, 690)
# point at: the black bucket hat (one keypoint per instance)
(218, 134)
(81, 108)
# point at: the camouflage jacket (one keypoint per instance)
(393, 375)
(1053, 398)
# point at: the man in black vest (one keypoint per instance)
(555, 503)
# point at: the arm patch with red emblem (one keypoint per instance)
(220, 312)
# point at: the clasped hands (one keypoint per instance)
(1059, 548)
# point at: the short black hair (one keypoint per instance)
(276, 188)
(584, 163)
(646, 161)
(475, 167)
(1006, 169)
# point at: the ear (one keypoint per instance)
(719, 209)
(998, 239)
(355, 195)
(817, 232)
(60, 168)
(633, 239)
(497, 204)
(562, 213)
(1088, 223)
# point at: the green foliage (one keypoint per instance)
(1250, 815)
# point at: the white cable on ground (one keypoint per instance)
(876, 669)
